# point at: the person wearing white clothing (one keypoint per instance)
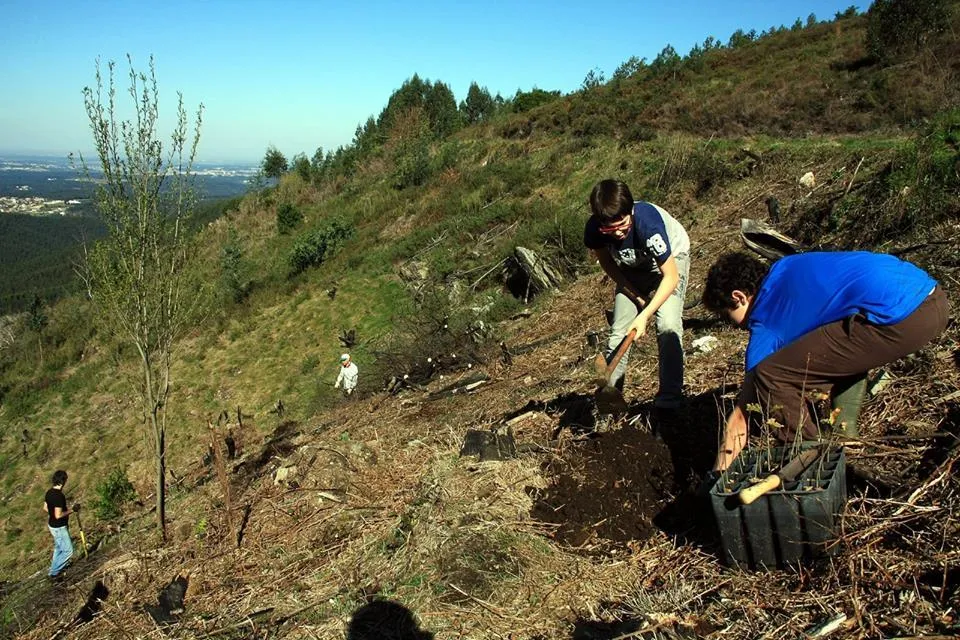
(348, 375)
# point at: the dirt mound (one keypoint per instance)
(607, 489)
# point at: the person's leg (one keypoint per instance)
(55, 559)
(670, 341)
(62, 549)
(836, 352)
(624, 312)
(848, 396)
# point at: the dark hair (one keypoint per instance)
(732, 272)
(611, 199)
(59, 477)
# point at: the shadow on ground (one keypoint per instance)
(574, 412)
(691, 434)
(385, 620)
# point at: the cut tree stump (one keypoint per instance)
(528, 275)
(489, 445)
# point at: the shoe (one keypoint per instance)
(670, 403)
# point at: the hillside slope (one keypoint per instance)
(377, 504)
(381, 505)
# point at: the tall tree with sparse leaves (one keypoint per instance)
(139, 276)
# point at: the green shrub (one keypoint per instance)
(289, 218)
(516, 127)
(112, 494)
(708, 168)
(312, 248)
(447, 156)
(527, 100)
(233, 268)
(412, 162)
(309, 364)
(518, 177)
(639, 132)
(593, 124)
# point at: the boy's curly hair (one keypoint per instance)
(731, 272)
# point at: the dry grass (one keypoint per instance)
(382, 507)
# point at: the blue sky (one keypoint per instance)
(303, 74)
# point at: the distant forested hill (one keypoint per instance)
(37, 253)
(37, 256)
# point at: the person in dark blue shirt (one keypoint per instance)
(646, 252)
(818, 322)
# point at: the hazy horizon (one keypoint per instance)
(91, 155)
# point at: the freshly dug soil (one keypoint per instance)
(608, 488)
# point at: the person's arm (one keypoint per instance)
(59, 512)
(668, 284)
(733, 441)
(336, 385)
(611, 269)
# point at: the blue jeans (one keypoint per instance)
(62, 549)
(669, 331)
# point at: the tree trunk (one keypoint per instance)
(159, 454)
(159, 444)
(161, 482)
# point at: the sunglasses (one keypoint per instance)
(617, 226)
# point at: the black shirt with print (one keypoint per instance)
(55, 498)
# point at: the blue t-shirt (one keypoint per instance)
(653, 237)
(806, 291)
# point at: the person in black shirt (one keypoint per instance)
(55, 506)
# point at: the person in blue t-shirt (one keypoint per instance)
(818, 322)
(646, 252)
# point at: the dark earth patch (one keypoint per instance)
(608, 488)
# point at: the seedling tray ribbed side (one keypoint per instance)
(790, 525)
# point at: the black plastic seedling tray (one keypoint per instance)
(790, 525)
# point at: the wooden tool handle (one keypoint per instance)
(622, 349)
(750, 494)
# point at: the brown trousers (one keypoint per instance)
(786, 382)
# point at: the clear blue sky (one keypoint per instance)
(302, 74)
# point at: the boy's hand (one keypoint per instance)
(640, 324)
